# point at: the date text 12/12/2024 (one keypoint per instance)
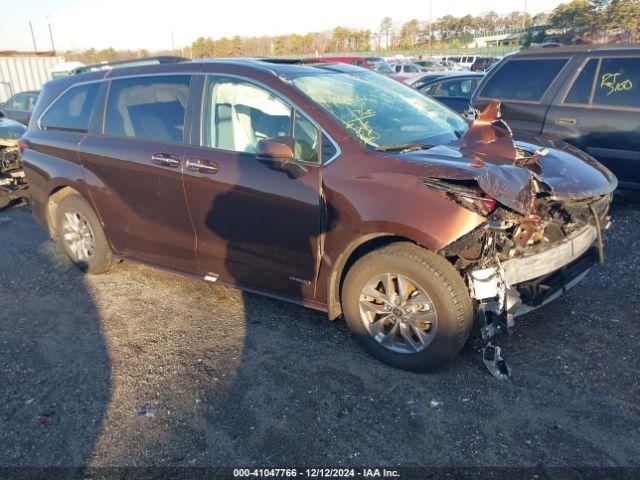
(316, 473)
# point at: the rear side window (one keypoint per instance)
(618, 83)
(72, 111)
(526, 80)
(580, 92)
(151, 108)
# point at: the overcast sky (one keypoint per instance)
(79, 24)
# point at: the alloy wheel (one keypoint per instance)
(78, 236)
(398, 313)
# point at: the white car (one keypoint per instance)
(407, 69)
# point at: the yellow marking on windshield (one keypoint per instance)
(359, 115)
(614, 84)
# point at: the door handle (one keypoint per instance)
(165, 159)
(565, 121)
(202, 166)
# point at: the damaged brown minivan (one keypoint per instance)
(324, 184)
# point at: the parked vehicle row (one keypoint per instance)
(454, 89)
(375, 64)
(322, 184)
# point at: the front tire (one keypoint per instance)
(81, 235)
(407, 306)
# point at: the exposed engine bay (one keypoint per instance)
(13, 185)
(543, 228)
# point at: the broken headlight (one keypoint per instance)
(465, 193)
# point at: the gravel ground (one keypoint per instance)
(233, 379)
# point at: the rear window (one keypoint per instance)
(151, 108)
(526, 80)
(72, 111)
(618, 83)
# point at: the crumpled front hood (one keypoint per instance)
(515, 172)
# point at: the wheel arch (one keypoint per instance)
(354, 251)
(56, 194)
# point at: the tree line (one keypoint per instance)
(573, 22)
(595, 21)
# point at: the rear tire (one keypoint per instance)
(81, 235)
(424, 318)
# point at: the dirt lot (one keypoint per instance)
(235, 379)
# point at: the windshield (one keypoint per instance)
(380, 111)
(379, 65)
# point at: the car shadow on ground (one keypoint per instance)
(55, 380)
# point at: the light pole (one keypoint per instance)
(53, 47)
(33, 38)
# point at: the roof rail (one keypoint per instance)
(133, 62)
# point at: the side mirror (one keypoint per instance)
(277, 154)
(278, 148)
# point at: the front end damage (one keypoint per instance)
(516, 263)
(13, 185)
(545, 211)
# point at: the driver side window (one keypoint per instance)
(239, 114)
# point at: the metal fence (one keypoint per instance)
(18, 74)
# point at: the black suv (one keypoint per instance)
(586, 95)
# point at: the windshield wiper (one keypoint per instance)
(404, 147)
